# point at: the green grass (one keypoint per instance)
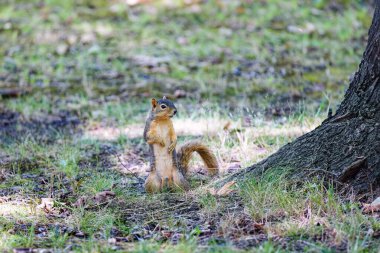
(309, 209)
(185, 46)
(270, 70)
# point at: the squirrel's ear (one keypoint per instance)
(164, 97)
(154, 102)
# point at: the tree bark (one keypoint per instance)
(346, 146)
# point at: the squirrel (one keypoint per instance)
(168, 167)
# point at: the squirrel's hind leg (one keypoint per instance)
(153, 183)
(179, 181)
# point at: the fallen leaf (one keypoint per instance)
(46, 205)
(99, 198)
(167, 234)
(373, 207)
(80, 202)
(224, 191)
(240, 10)
(227, 126)
(258, 226)
(103, 196)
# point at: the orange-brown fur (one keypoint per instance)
(185, 153)
(168, 169)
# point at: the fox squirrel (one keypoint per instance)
(168, 168)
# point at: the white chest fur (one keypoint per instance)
(163, 160)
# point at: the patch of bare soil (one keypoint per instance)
(174, 216)
(46, 128)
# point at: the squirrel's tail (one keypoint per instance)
(185, 152)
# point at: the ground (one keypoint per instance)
(246, 77)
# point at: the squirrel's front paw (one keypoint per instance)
(171, 147)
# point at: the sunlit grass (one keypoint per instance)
(307, 209)
(192, 42)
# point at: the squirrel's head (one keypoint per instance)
(163, 108)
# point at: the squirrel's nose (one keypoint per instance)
(175, 112)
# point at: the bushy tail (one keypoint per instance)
(185, 152)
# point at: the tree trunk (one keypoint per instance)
(345, 146)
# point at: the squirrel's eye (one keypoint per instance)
(163, 106)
